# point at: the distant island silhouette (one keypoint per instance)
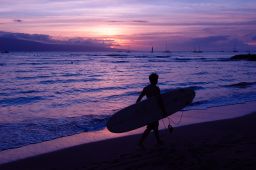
(38, 42)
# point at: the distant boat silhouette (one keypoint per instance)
(166, 49)
(197, 50)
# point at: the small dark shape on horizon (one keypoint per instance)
(249, 57)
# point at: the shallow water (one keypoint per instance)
(49, 95)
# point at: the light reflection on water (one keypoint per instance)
(62, 85)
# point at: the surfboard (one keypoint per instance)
(147, 111)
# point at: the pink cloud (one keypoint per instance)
(139, 23)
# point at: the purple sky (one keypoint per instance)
(140, 24)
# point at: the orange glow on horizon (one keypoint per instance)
(106, 31)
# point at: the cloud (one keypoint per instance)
(140, 21)
(127, 21)
(18, 20)
(144, 21)
(210, 39)
(31, 37)
(42, 38)
(181, 42)
(199, 23)
(220, 42)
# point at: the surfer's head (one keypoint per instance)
(153, 78)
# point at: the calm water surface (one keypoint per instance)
(44, 96)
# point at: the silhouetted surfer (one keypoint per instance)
(152, 90)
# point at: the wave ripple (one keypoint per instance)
(18, 134)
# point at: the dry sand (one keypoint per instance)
(223, 144)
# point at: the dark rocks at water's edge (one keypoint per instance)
(248, 57)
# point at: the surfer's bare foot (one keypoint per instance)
(159, 143)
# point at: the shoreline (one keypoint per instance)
(222, 144)
(65, 143)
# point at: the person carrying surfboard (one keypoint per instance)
(152, 90)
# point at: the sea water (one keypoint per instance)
(44, 96)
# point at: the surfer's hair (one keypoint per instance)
(153, 78)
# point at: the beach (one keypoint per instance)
(83, 83)
(45, 96)
(60, 121)
(220, 144)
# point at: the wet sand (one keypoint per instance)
(222, 144)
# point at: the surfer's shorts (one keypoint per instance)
(153, 125)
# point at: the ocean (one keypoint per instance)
(44, 96)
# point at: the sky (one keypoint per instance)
(138, 24)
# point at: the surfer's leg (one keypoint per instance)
(156, 131)
(159, 141)
(144, 136)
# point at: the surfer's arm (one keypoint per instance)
(142, 94)
(161, 105)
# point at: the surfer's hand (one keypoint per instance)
(164, 114)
